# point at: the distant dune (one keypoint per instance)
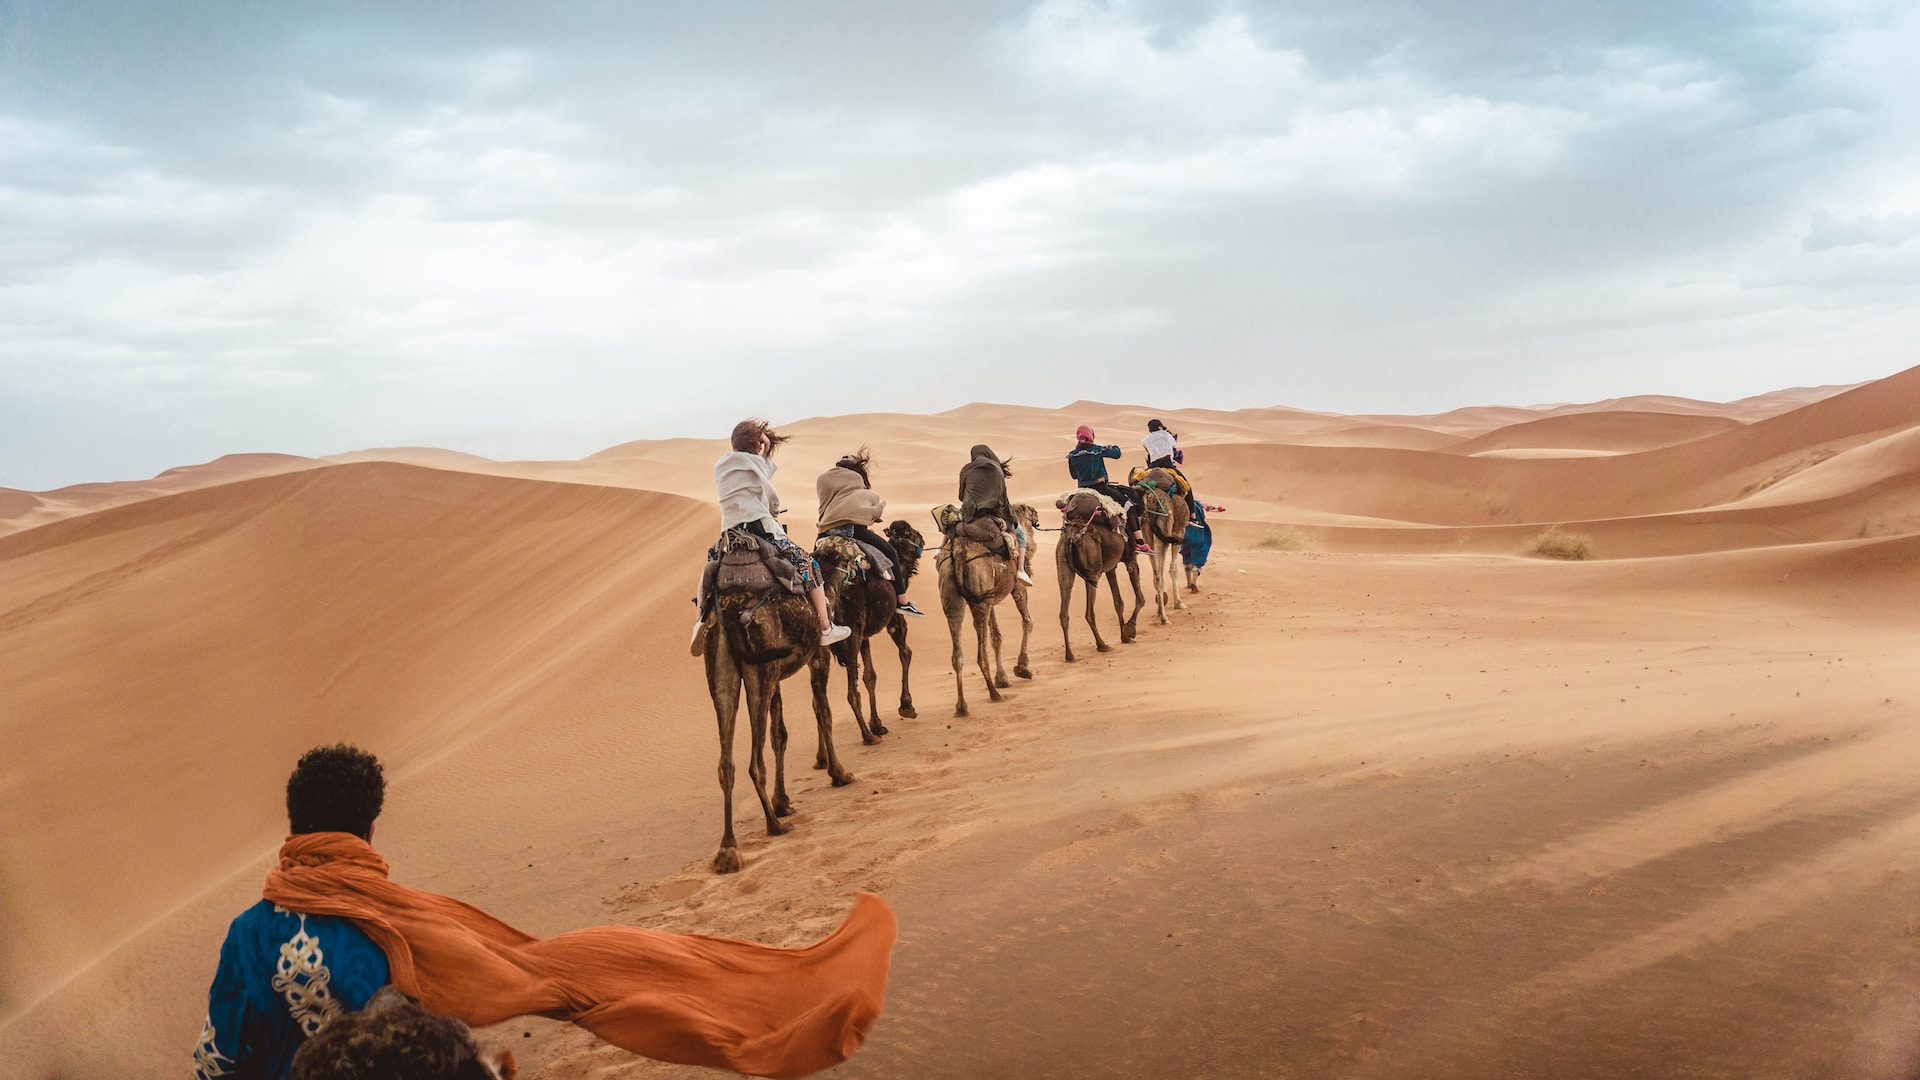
(86, 498)
(1382, 739)
(1616, 432)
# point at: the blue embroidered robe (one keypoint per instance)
(1198, 542)
(282, 976)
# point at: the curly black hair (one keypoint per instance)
(335, 788)
(394, 1039)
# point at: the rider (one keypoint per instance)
(1087, 461)
(744, 478)
(849, 507)
(983, 493)
(1164, 453)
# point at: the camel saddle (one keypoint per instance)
(988, 531)
(859, 551)
(1105, 512)
(747, 563)
(1172, 480)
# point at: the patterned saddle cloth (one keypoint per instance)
(867, 554)
(745, 562)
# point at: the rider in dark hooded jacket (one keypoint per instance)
(983, 493)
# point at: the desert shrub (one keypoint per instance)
(1557, 543)
(1288, 539)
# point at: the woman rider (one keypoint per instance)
(849, 507)
(744, 478)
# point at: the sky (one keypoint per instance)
(532, 230)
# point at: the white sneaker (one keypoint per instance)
(1022, 575)
(834, 633)
(698, 646)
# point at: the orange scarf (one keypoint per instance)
(683, 998)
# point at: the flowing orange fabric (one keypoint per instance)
(684, 998)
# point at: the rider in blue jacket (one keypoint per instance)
(1087, 461)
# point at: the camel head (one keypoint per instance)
(394, 1032)
(908, 542)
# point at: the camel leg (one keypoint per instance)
(818, 670)
(1130, 629)
(996, 675)
(867, 737)
(1119, 615)
(1173, 575)
(723, 680)
(1066, 575)
(826, 757)
(1159, 580)
(955, 609)
(872, 679)
(897, 630)
(760, 691)
(777, 725)
(1020, 667)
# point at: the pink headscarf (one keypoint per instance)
(1083, 433)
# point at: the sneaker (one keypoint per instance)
(698, 646)
(906, 608)
(1023, 577)
(1143, 547)
(834, 633)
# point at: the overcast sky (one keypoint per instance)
(539, 229)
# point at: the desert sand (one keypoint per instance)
(1390, 797)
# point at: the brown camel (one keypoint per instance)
(865, 603)
(975, 577)
(758, 633)
(1163, 520)
(1089, 547)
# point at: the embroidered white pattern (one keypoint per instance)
(207, 1057)
(303, 980)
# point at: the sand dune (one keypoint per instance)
(426, 456)
(1451, 490)
(18, 513)
(379, 603)
(1387, 799)
(1616, 432)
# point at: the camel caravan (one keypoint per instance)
(768, 607)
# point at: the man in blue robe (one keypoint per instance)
(284, 974)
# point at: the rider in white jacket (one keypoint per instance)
(743, 477)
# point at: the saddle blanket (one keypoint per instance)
(1116, 516)
(875, 557)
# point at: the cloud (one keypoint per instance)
(235, 228)
(1879, 230)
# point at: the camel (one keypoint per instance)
(975, 578)
(1163, 520)
(758, 633)
(865, 603)
(1088, 549)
